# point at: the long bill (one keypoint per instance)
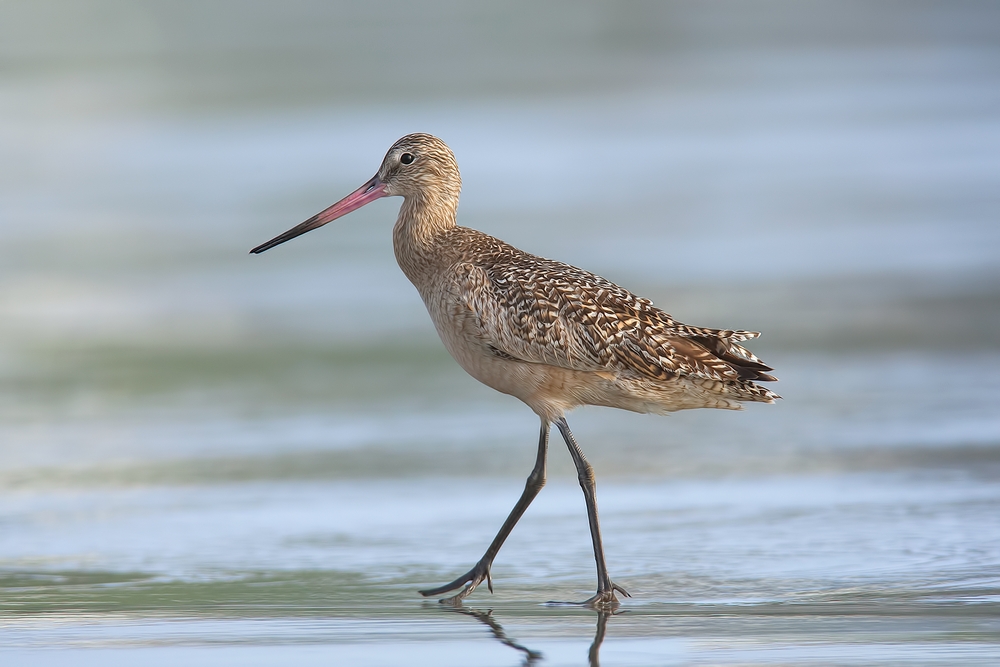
(367, 193)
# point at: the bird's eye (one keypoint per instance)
(406, 158)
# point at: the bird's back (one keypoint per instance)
(517, 309)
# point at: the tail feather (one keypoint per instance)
(744, 362)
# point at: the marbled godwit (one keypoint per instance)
(548, 333)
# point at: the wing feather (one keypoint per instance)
(547, 312)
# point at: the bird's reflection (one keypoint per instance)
(594, 654)
(486, 618)
(532, 657)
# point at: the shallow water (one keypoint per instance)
(212, 458)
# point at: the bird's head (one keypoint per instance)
(419, 167)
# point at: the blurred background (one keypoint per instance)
(176, 414)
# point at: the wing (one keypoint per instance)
(547, 312)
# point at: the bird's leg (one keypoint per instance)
(481, 571)
(585, 473)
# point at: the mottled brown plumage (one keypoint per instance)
(540, 311)
(555, 336)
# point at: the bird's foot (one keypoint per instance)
(470, 580)
(604, 600)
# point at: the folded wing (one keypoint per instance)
(541, 311)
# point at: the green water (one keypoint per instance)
(213, 458)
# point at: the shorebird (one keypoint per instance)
(554, 336)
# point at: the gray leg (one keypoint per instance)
(585, 473)
(481, 571)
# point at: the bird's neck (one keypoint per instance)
(418, 237)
